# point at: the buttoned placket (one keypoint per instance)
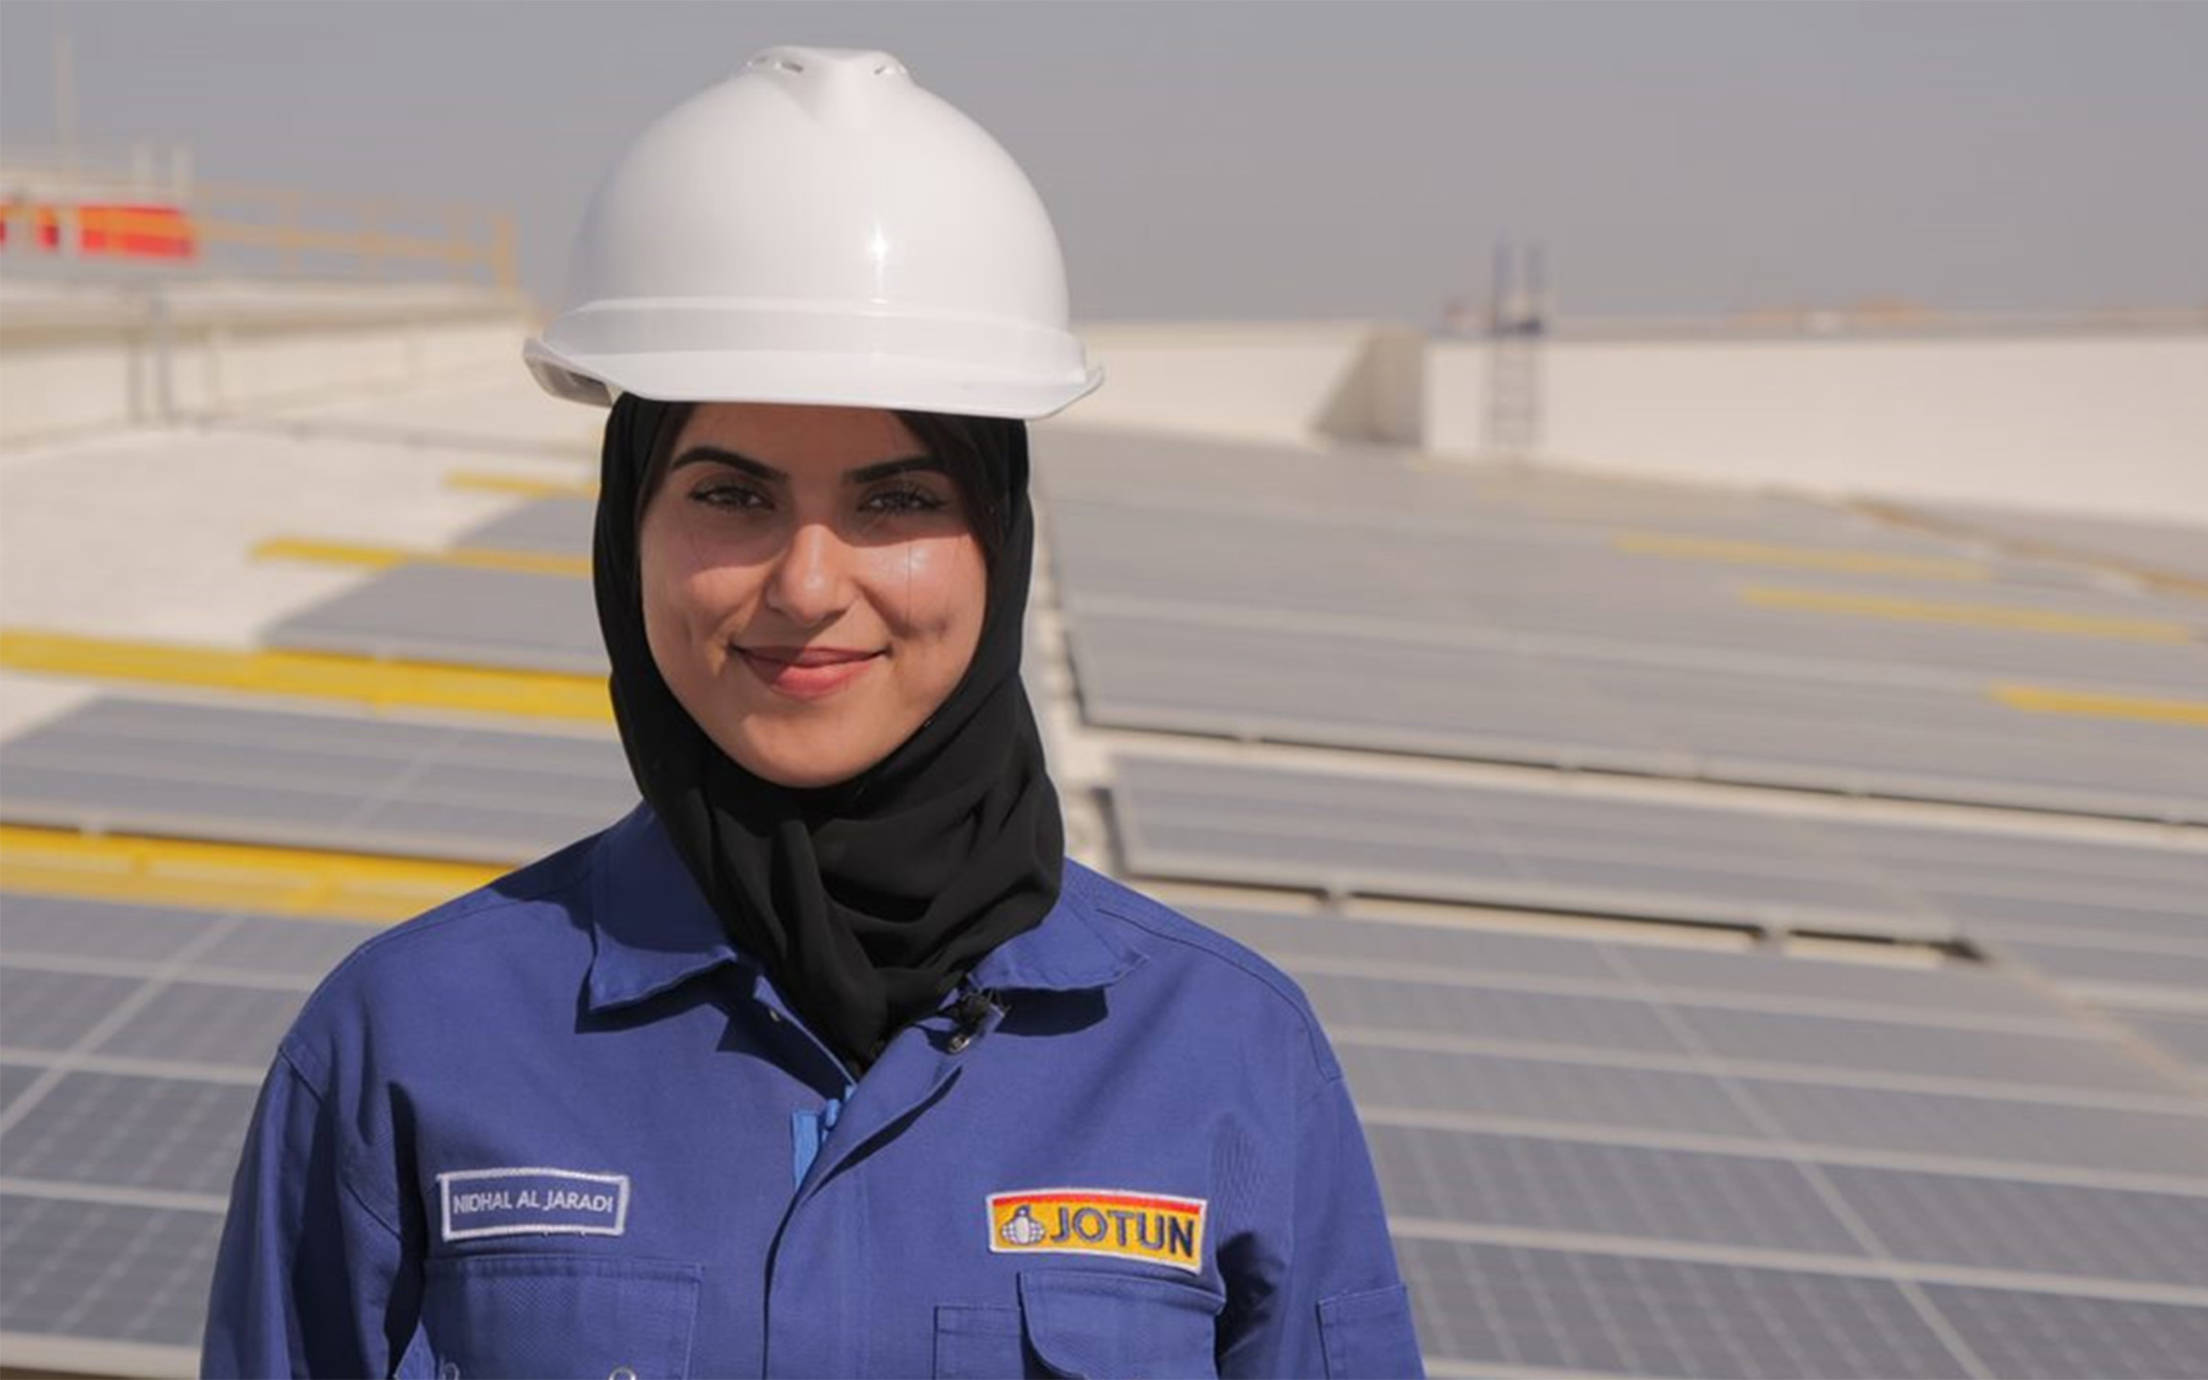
(817, 1286)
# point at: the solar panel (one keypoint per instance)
(1497, 1014)
(1954, 992)
(1949, 996)
(295, 946)
(2073, 1060)
(1517, 702)
(68, 926)
(2186, 1036)
(1394, 489)
(1333, 576)
(460, 615)
(2001, 863)
(1987, 1128)
(2036, 1336)
(380, 786)
(51, 1011)
(554, 526)
(1548, 1092)
(1607, 1190)
(106, 1271)
(145, 1066)
(14, 1078)
(1985, 906)
(2012, 1224)
(1579, 1312)
(202, 1022)
(1276, 826)
(1287, 937)
(130, 1131)
(2079, 963)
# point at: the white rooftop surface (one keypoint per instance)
(148, 534)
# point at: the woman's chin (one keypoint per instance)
(802, 759)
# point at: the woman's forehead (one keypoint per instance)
(797, 436)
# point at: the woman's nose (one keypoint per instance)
(810, 584)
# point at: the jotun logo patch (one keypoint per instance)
(1100, 1221)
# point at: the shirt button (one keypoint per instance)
(450, 1370)
(621, 1373)
(959, 1042)
(774, 1015)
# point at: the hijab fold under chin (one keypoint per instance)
(866, 900)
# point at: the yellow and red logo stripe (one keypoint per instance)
(1156, 1227)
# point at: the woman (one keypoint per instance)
(825, 1060)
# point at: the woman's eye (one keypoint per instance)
(729, 496)
(904, 500)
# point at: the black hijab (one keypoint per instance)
(867, 900)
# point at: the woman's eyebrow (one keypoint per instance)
(883, 469)
(737, 460)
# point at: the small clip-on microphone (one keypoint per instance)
(968, 1015)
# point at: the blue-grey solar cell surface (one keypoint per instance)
(1513, 846)
(1507, 700)
(136, 1038)
(313, 780)
(513, 620)
(549, 526)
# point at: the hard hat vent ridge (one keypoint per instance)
(840, 86)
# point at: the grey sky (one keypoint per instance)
(1284, 160)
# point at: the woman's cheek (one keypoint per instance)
(925, 585)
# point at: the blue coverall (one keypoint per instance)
(560, 1127)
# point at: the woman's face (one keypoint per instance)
(812, 587)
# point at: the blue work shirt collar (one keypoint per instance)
(652, 928)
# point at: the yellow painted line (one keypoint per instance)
(1804, 557)
(2052, 621)
(381, 684)
(2040, 699)
(388, 557)
(490, 481)
(230, 876)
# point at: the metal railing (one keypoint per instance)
(73, 211)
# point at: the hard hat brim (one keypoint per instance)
(820, 378)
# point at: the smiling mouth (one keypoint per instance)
(806, 673)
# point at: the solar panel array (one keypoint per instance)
(1616, 1157)
(1329, 684)
(1582, 626)
(134, 1042)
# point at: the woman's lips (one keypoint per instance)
(806, 672)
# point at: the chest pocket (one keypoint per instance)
(1084, 1324)
(560, 1317)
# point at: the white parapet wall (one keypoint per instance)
(1264, 381)
(77, 358)
(2078, 420)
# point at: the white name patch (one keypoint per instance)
(516, 1202)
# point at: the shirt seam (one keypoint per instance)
(1329, 1070)
(346, 1152)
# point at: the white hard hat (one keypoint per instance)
(817, 229)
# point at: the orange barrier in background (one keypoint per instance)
(119, 231)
